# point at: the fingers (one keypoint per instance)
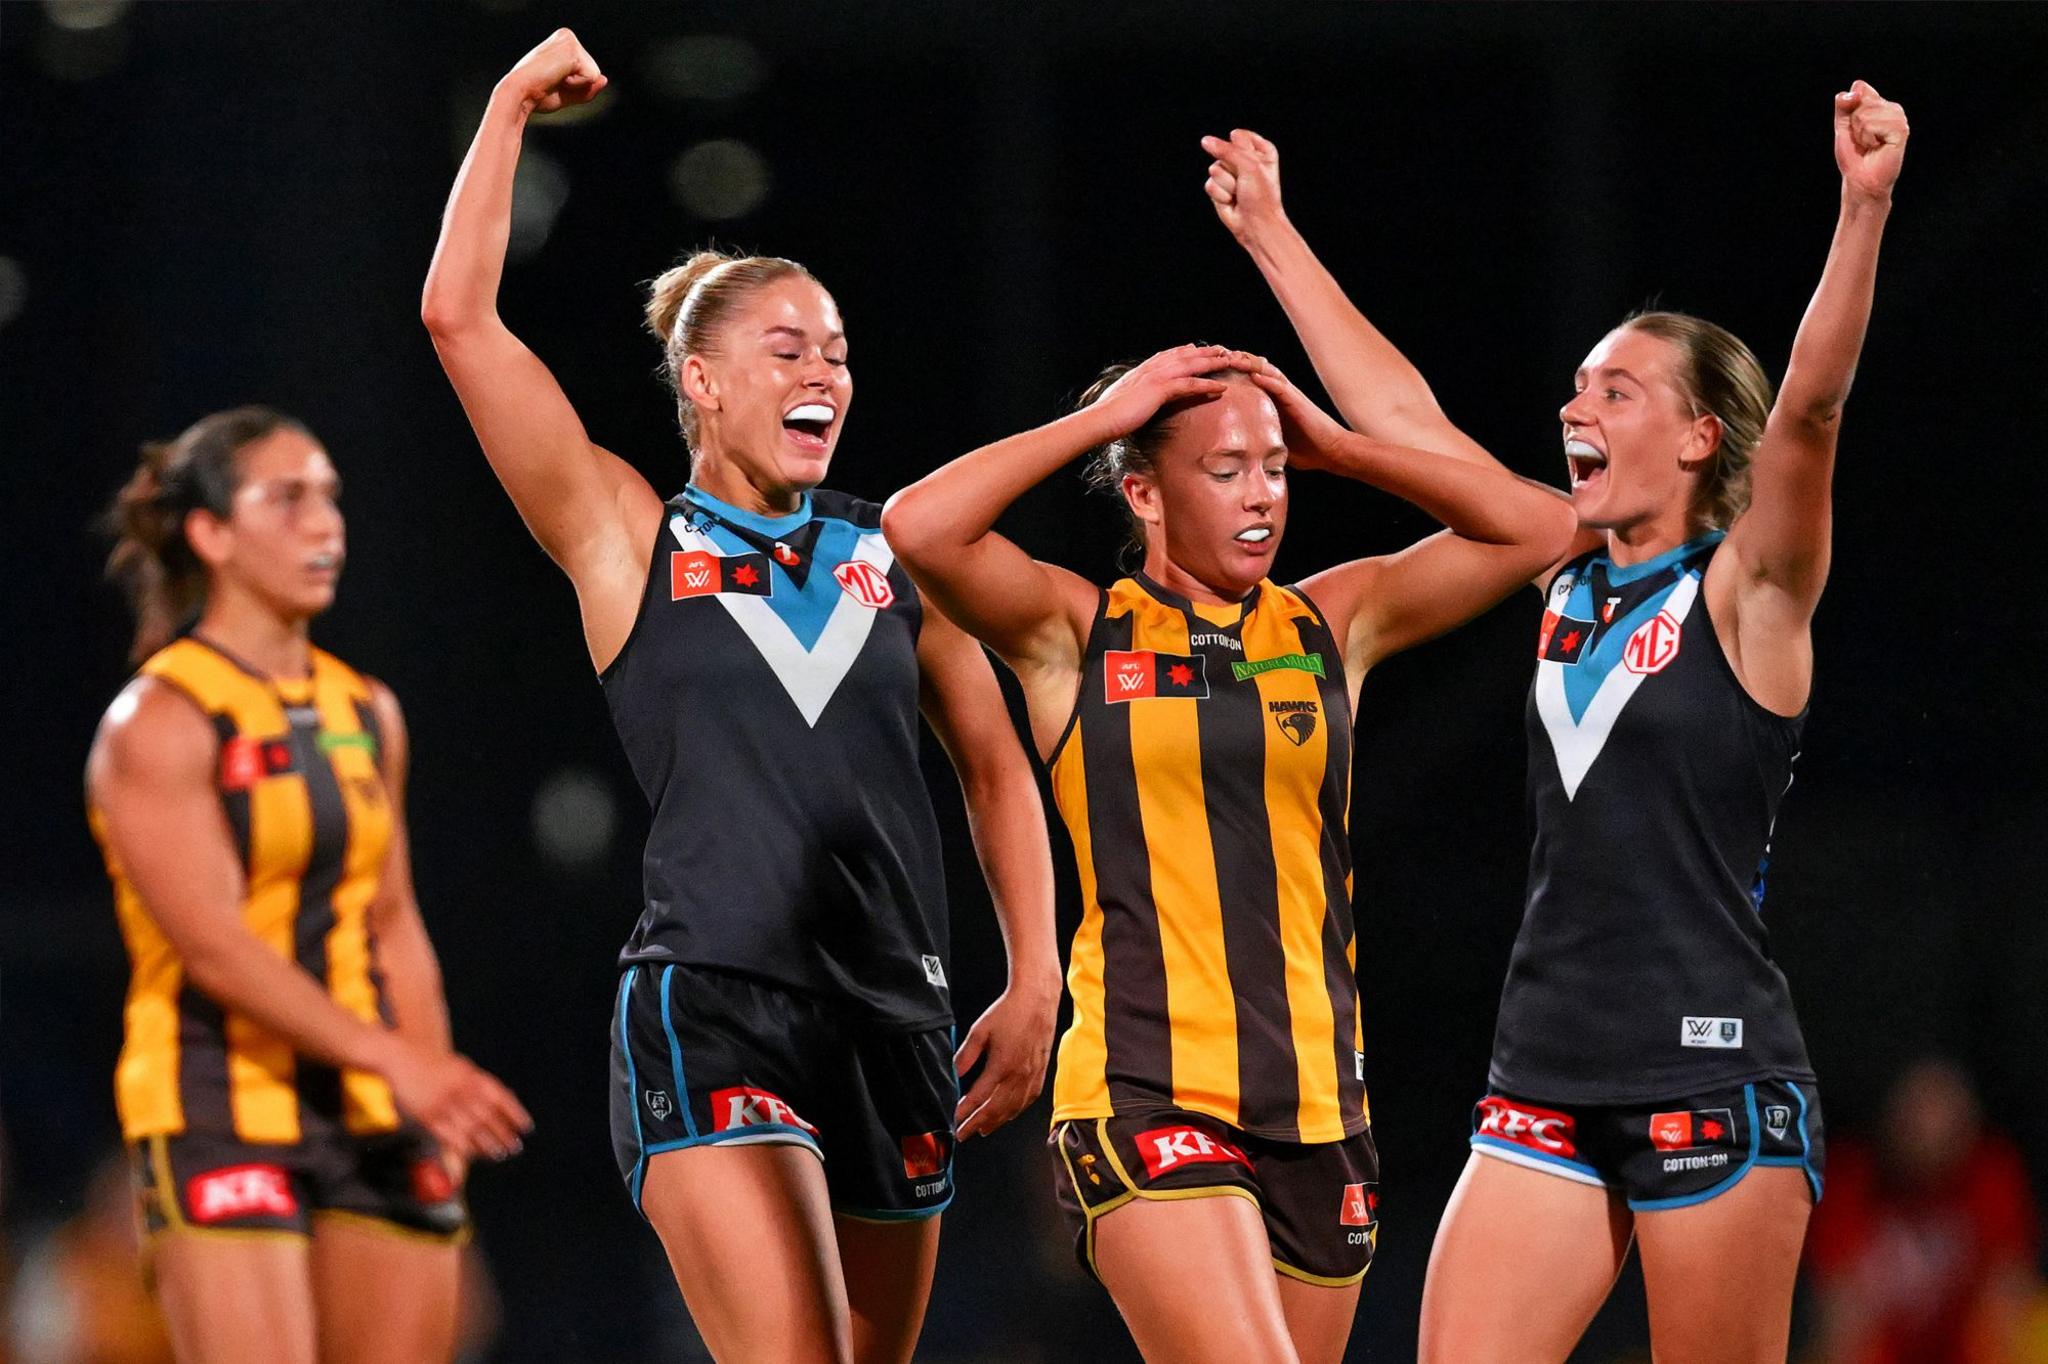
(970, 1050)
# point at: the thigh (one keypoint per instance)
(1193, 1278)
(222, 1290)
(888, 1273)
(1318, 1317)
(1321, 1207)
(748, 1231)
(1522, 1261)
(1720, 1273)
(383, 1293)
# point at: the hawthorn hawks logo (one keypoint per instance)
(865, 583)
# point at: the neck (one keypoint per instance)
(1171, 576)
(255, 634)
(727, 482)
(1645, 540)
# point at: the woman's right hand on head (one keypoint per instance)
(555, 75)
(1244, 182)
(464, 1107)
(1313, 435)
(1171, 376)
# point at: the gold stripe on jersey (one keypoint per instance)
(1213, 970)
(312, 835)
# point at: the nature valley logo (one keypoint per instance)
(1301, 663)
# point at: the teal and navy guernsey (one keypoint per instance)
(767, 700)
(1643, 968)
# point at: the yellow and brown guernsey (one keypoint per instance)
(307, 809)
(1205, 782)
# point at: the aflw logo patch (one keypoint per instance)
(697, 573)
(1725, 1033)
(1141, 674)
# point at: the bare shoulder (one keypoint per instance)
(152, 732)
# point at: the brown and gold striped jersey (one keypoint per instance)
(303, 800)
(1205, 782)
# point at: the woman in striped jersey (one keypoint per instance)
(286, 1074)
(1196, 719)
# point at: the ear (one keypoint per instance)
(211, 538)
(697, 384)
(1702, 442)
(1141, 494)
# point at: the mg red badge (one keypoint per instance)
(1653, 645)
(865, 583)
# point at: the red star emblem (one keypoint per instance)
(1569, 642)
(1710, 1130)
(1181, 675)
(745, 576)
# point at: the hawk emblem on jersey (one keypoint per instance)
(1142, 674)
(811, 642)
(1297, 719)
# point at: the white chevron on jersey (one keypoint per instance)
(810, 676)
(1577, 743)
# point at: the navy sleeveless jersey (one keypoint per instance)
(767, 699)
(1643, 970)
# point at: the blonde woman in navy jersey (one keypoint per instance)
(1649, 1080)
(784, 1086)
(1211, 1139)
(296, 1115)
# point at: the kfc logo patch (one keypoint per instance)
(1538, 1129)
(1361, 1205)
(1170, 1148)
(743, 1106)
(1654, 644)
(240, 1191)
(865, 583)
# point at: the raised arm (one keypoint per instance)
(151, 777)
(1501, 531)
(1034, 615)
(592, 512)
(1012, 1040)
(1374, 386)
(1782, 540)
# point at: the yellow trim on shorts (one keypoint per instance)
(1131, 1191)
(175, 1222)
(385, 1226)
(1318, 1280)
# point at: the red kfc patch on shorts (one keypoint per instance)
(1169, 1148)
(240, 1191)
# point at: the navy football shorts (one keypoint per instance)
(1660, 1155)
(703, 1057)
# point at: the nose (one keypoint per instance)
(1573, 413)
(1263, 489)
(818, 371)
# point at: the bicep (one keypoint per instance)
(1027, 611)
(570, 492)
(151, 776)
(1783, 537)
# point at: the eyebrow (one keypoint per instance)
(800, 334)
(1613, 371)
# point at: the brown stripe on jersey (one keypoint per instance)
(204, 1090)
(319, 1084)
(1137, 1041)
(234, 802)
(1338, 929)
(1232, 726)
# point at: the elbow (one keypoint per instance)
(907, 527)
(209, 967)
(447, 319)
(1558, 528)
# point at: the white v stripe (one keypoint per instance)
(810, 676)
(1577, 743)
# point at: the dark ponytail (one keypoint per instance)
(152, 561)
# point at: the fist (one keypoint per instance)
(1870, 140)
(555, 75)
(1244, 181)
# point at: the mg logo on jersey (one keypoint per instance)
(241, 1191)
(1653, 645)
(865, 583)
(1539, 1129)
(1169, 1148)
(1361, 1205)
(744, 1106)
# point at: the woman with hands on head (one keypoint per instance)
(1649, 1079)
(297, 1117)
(1196, 719)
(784, 1085)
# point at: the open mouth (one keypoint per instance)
(1587, 462)
(324, 563)
(809, 423)
(1254, 535)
